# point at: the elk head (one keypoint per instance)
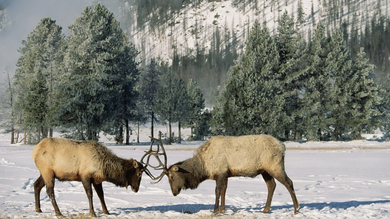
(134, 170)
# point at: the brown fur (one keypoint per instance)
(224, 157)
(85, 161)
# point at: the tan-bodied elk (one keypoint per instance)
(87, 161)
(222, 157)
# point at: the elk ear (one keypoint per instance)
(135, 164)
(175, 168)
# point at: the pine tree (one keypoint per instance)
(124, 100)
(87, 86)
(366, 102)
(7, 114)
(338, 66)
(36, 107)
(43, 51)
(316, 81)
(149, 84)
(291, 48)
(202, 129)
(172, 102)
(300, 13)
(197, 104)
(253, 100)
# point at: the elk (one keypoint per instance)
(87, 161)
(222, 157)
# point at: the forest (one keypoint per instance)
(329, 83)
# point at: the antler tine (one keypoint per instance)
(156, 154)
(157, 158)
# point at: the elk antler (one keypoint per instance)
(156, 154)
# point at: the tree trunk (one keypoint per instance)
(120, 134)
(44, 132)
(12, 134)
(39, 134)
(81, 131)
(24, 137)
(286, 134)
(151, 131)
(127, 132)
(319, 134)
(12, 109)
(29, 136)
(295, 132)
(336, 133)
(170, 132)
(179, 137)
(138, 132)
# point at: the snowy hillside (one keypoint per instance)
(195, 24)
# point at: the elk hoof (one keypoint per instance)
(216, 213)
(265, 211)
(38, 210)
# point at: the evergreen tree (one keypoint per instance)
(140, 116)
(36, 107)
(43, 51)
(7, 114)
(87, 86)
(202, 128)
(366, 102)
(316, 81)
(149, 84)
(172, 102)
(300, 13)
(338, 67)
(124, 100)
(197, 104)
(291, 48)
(253, 100)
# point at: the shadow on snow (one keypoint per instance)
(195, 208)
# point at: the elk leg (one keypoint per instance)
(88, 189)
(220, 189)
(100, 193)
(50, 192)
(38, 185)
(270, 181)
(224, 187)
(287, 182)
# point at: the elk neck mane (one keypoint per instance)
(113, 167)
(196, 167)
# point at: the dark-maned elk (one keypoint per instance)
(224, 157)
(85, 161)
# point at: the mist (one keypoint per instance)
(22, 16)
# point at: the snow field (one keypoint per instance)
(337, 180)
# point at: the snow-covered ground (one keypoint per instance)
(332, 180)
